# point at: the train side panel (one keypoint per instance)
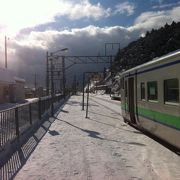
(157, 116)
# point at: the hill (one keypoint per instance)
(155, 44)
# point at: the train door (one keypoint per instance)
(131, 99)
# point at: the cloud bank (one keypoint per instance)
(27, 52)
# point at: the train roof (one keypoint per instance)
(154, 61)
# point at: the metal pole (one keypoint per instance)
(83, 91)
(5, 52)
(47, 74)
(39, 108)
(87, 100)
(60, 81)
(30, 114)
(17, 122)
(35, 85)
(111, 64)
(75, 88)
(64, 76)
(110, 68)
(52, 89)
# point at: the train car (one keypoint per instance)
(150, 97)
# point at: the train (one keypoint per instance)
(150, 97)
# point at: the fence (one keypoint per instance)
(15, 121)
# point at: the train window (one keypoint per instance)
(152, 90)
(142, 91)
(171, 90)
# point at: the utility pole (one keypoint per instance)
(111, 64)
(52, 88)
(74, 85)
(35, 81)
(83, 90)
(64, 76)
(5, 45)
(47, 73)
(87, 106)
(35, 84)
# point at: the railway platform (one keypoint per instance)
(99, 147)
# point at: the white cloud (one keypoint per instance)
(175, 15)
(26, 53)
(156, 19)
(80, 41)
(163, 6)
(125, 8)
(85, 9)
(18, 14)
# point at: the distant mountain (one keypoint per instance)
(155, 44)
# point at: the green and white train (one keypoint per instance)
(150, 97)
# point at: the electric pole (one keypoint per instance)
(35, 84)
(5, 45)
(47, 74)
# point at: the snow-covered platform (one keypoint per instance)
(97, 148)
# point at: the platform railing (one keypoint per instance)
(15, 121)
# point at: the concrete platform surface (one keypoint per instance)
(100, 147)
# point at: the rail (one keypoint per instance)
(15, 121)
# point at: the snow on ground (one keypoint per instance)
(99, 147)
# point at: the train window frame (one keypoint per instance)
(152, 94)
(143, 95)
(166, 99)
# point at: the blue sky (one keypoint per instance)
(84, 26)
(128, 12)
